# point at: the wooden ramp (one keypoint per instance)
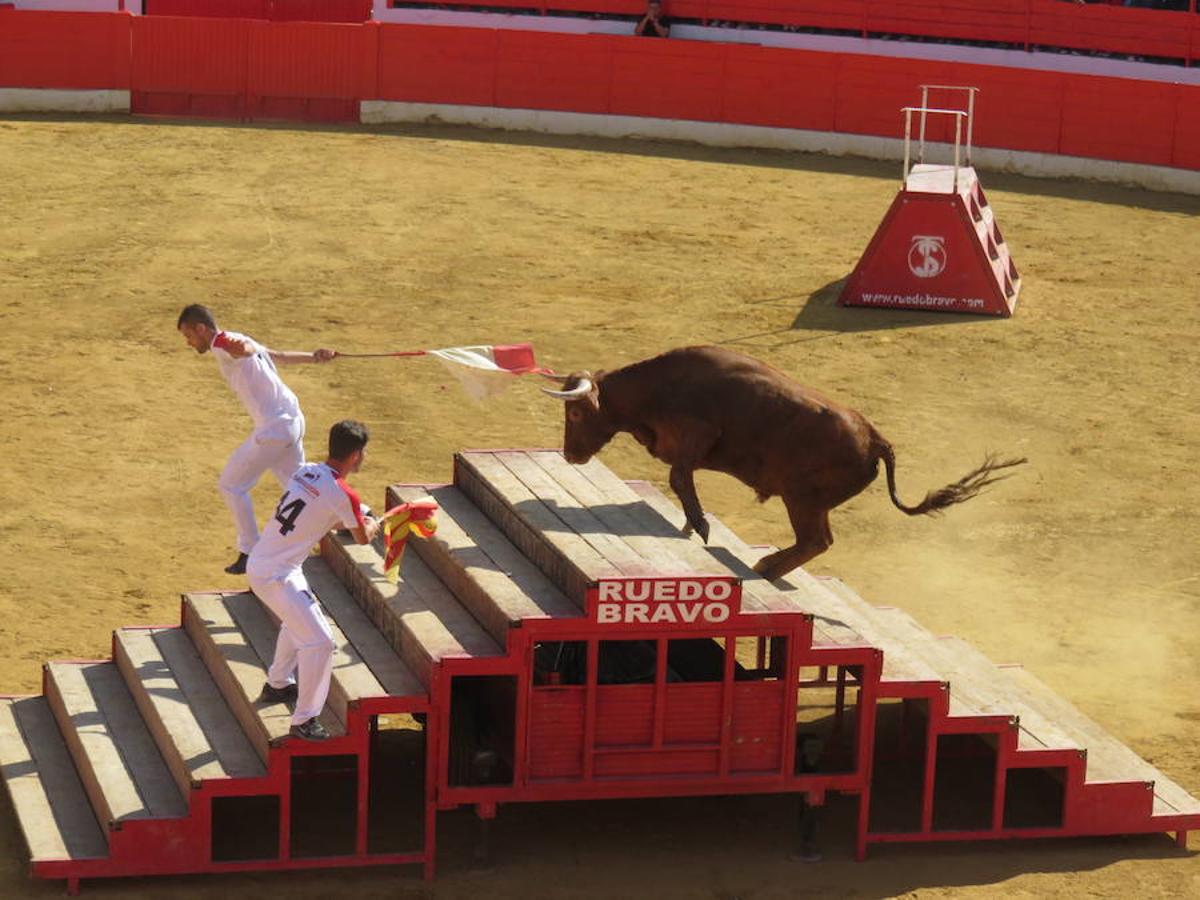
(489, 657)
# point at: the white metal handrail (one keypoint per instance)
(971, 92)
(958, 114)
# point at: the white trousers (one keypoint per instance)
(278, 446)
(305, 642)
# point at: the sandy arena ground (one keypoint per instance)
(1084, 567)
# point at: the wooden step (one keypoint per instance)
(122, 769)
(901, 662)
(51, 804)
(198, 736)
(1107, 758)
(419, 616)
(830, 627)
(977, 686)
(351, 678)
(365, 664)
(649, 544)
(538, 528)
(486, 572)
(236, 639)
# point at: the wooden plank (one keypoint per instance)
(195, 731)
(52, 807)
(650, 520)
(1108, 758)
(393, 678)
(737, 556)
(719, 534)
(577, 517)
(965, 665)
(835, 602)
(541, 535)
(798, 588)
(160, 702)
(976, 685)
(613, 508)
(260, 631)
(421, 618)
(491, 577)
(204, 699)
(116, 746)
(235, 668)
(351, 677)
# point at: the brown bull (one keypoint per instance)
(711, 408)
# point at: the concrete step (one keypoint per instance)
(52, 807)
(236, 639)
(420, 618)
(121, 768)
(198, 736)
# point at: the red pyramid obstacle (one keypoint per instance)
(939, 247)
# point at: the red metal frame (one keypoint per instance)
(655, 766)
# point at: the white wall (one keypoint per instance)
(21, 100)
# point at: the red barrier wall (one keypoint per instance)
(242, 68)
(85, 51)
(1020, 109)
(194, 67)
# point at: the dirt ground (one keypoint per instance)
(1084, 567)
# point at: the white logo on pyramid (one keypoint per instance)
(927, 255)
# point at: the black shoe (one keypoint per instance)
(238, 566)
(312, 730)
(286, 694)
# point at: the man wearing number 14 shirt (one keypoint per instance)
(316, 499)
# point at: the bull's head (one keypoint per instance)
(587, 427)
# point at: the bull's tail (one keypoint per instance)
(958, 492)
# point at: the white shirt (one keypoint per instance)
(315, 501)
(255, 381)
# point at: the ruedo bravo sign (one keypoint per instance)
(699, 601)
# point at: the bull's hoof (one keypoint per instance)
(770, 568)
(702, 529)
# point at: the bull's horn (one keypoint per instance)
(580, 390)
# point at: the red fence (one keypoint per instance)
(1023, 23)
(1020, 109)
(317, 71)
(64, 50)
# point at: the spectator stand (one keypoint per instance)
(1140, 34)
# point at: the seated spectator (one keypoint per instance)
(653, 23)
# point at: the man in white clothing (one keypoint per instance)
(316, 499)
(277, 440)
